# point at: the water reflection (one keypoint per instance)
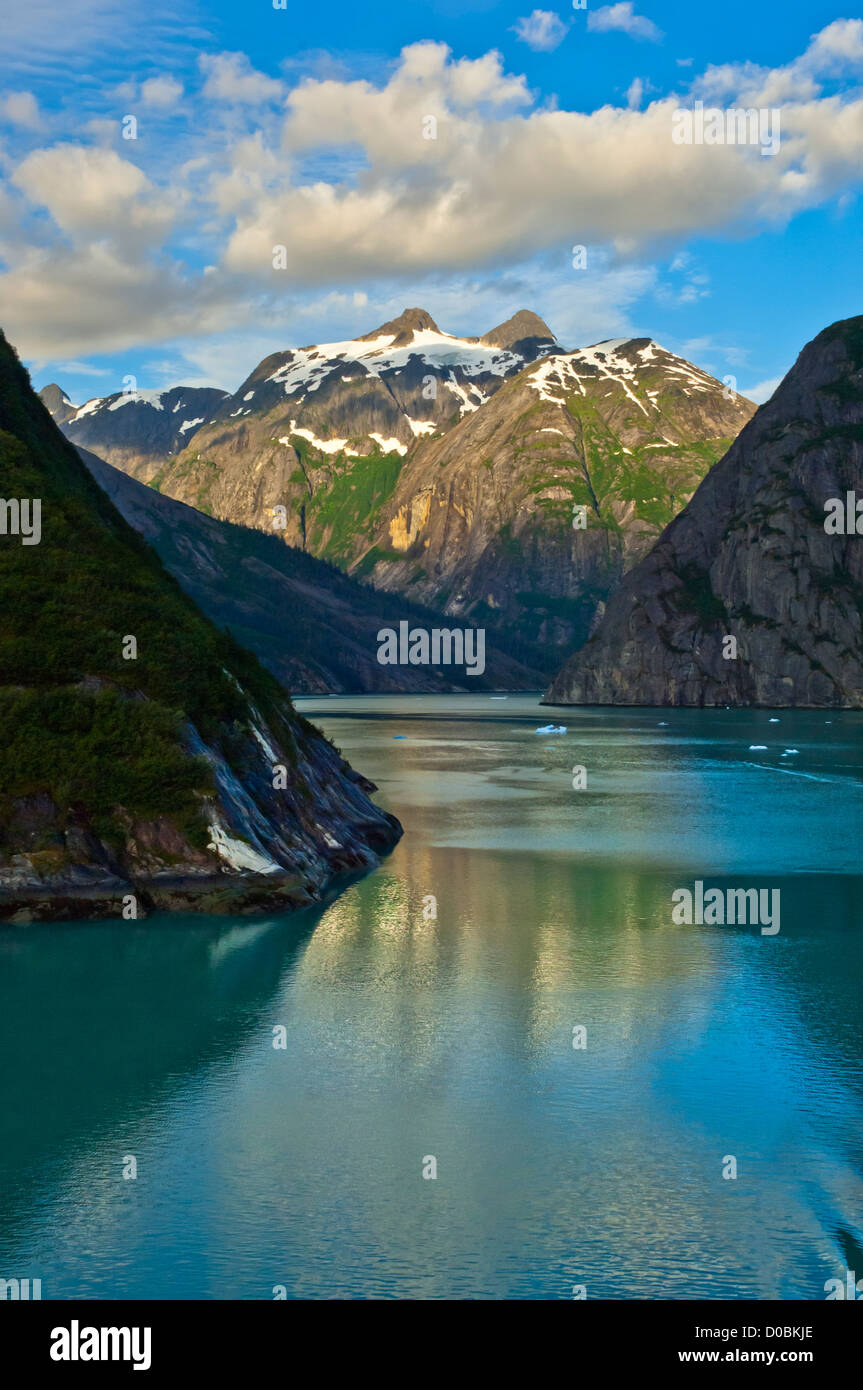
(452, 1036)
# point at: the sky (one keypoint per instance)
(186, 187)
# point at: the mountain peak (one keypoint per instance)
(56, 402)
(523, 326)
(716, 570)
(402, 329)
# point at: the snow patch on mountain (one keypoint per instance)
(616, 360)
(326, 446)
(153, 398)
(307, 367)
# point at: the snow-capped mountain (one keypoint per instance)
(529, 510)
(751, 557)
(57, 403)
(135, 430)
(447, 468)
(380, 392)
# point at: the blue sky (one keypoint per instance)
(307, 127)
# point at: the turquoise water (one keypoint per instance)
(410, 1036)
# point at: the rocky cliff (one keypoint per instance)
(528, 511)
(309, 623)
(135, 430)
(323, 430)
(451, 470)
(754, 594)
(148, 760)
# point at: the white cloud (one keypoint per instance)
(95, 299)
(161, 91)
(78, 369)
(542, 30)
(495, 186)
(834, 48)
(42, 39)
(22, 109)
(342, 175)
(231, 78)
(93, 192)
(635, 93)
(837, 46)
(623, 17)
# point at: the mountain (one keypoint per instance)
(483, 522)
(312, 625)
(57, 403)
(323, 429)
(448, 470)
(146, 755)
(767, 553)
(135, 430)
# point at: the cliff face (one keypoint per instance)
(754, 594)
(482, 521)
(135, 430)
(148, 761)
(57, 403)
(309, 623)
(322, 430)
(447, 469)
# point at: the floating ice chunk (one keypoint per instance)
(792, 750)
(552, 729)
(773, 720)
(757, 747)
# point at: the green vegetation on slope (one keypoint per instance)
(80, 723)
(351, 504)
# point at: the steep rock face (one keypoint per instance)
(57, 403)
(750, 559)
(310, 624)
(447, 469)
(148, 760)
(480, 521)
(323, 430)
(136, 430)
(524, 333)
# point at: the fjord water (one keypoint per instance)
(409, 1036)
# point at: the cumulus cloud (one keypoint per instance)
(838, 46)
(623, 17)
(494, 185)
(21, 109)
(161, 91)
(445, 171)
(92, 191)
(542, 30)
(230, 78)
(95, 299)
